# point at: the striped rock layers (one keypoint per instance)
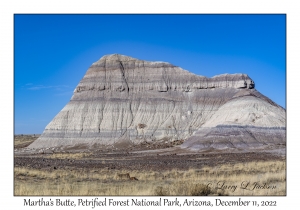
(123, 100)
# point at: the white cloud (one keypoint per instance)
(39, 87)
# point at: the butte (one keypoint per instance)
(123, 101)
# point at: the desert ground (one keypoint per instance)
(147, 169)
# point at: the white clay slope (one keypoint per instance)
(123, 99)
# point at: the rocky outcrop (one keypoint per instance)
(123, 100)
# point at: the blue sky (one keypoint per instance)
(53, 52)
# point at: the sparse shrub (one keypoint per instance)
(141, 125)
(125, 176)
(201, 190)
(221, 192)
(160, 191)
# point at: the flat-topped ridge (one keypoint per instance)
(154, 75)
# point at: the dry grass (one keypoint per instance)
(203, 181)
(24, 140)
(69, 155)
